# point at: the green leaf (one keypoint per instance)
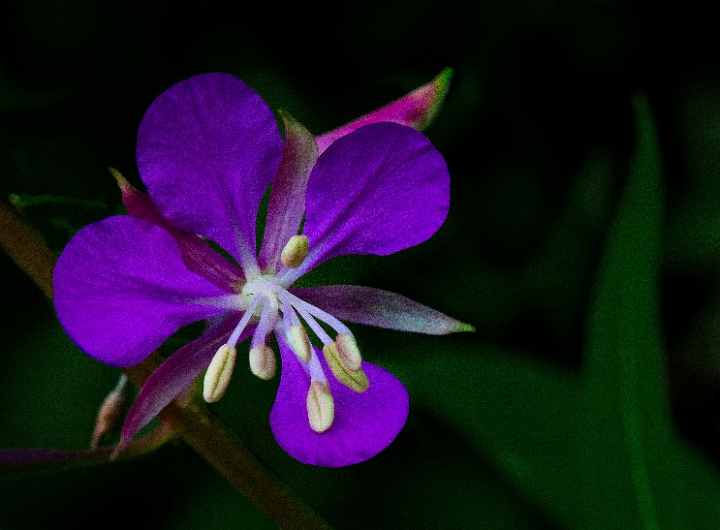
(629, 455)
(517, 410)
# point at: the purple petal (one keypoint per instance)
(197, 254)
(380, 189)
(174, 375)
(364, 424)
(207, 150)
(121, 289)
(382, 309)
(287, 198)
(416, 110)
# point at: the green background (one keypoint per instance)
(583, 141)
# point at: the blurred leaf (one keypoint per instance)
(629, 455)
(519, 411)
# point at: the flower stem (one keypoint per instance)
(26, 248)
(203, 431)
(211, 439)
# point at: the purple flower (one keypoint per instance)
(208, 148)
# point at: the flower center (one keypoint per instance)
(266, 301)
(265, 285)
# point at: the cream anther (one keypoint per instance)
(320, 407)
(349, 352)
(262, 361)
(355, 380)
(295, 252)
(219, 373)
(299, 342)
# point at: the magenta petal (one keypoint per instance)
(174, 375)
(378, 190)
(382, 309)
(417, 110)
(207, 150)
(287, 196)
(121, 289)
(197, 254)
(364, 425)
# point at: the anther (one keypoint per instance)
(295, 251)
(262, 361)
(349, 352)
(299, 342)
(219, 373)
(355, 380)
(320, 407)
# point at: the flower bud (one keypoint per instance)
(295, 251)
(262, 361)
(108, 417)
(219, 373)
(320, 407)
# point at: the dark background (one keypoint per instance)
(538, 132)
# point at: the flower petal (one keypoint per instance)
(207, 150)
(364, 424)
(382, 309)
(174, 375)
(287, 197)
(121, 289)
(197, 254)
(416, 110)
(378, 190)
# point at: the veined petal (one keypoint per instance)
(287, 196)
(207, 150)
(380, 189)
(197, 254)
(379, 308)
(364, 423)
(174, 375)
(121, 289)
(416, 110)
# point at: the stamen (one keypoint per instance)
(262, 361)
(232, 341)
(219, 373)
(320, 407)
(349, 352)
(294, 252)
(355, 380)
(317, 329)
(268, 319)
(288, 276)
(299, 342)
(318, 313)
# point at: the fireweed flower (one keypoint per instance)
(208, 149)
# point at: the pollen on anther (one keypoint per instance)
(262, 361)
(299, 342)
(320, 407)
(295, 251)
(218, 375)
(349, 352)
(355, 380)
